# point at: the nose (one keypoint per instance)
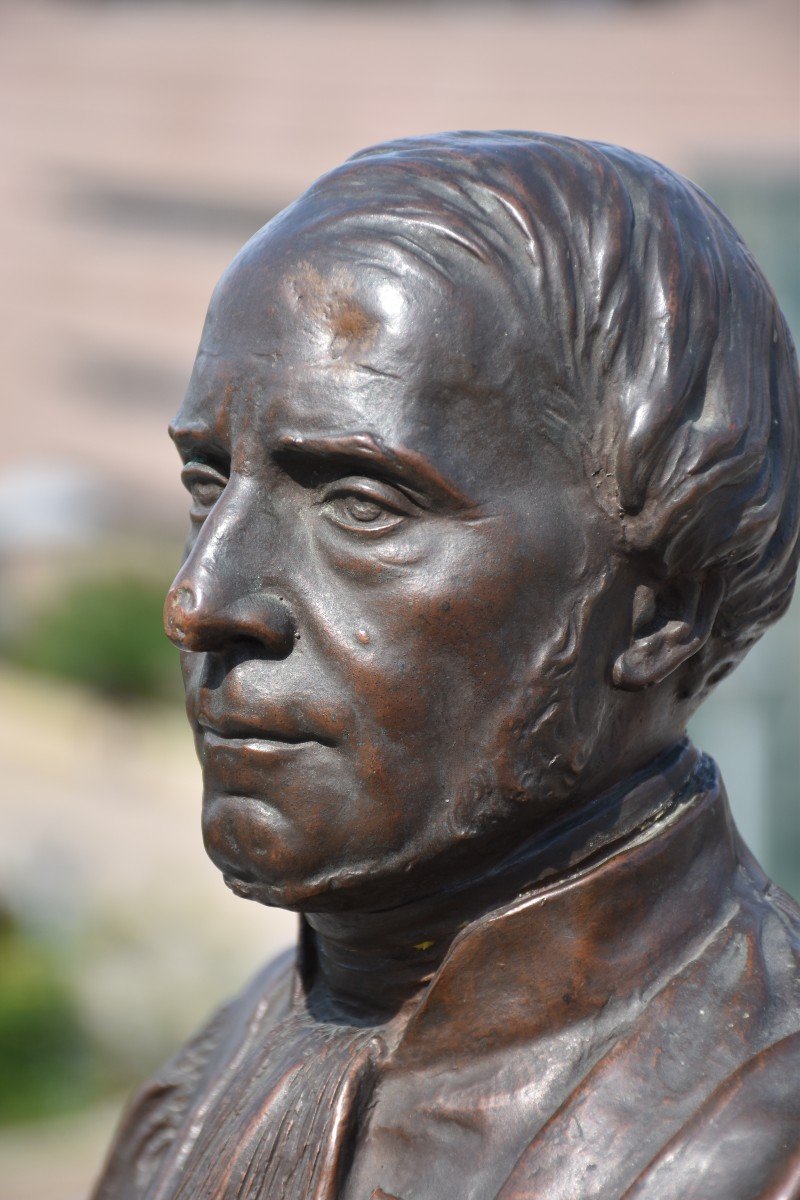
(220, 597)
(198, 622)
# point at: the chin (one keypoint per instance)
(278, 891)
(256, 851)
(255, 889)
(325, 892)
(312, 896)
(248, 841)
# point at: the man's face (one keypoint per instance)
(384, 558)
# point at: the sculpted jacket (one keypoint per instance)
(628, 1031)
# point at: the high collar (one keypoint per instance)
(561, 943)
(596, 936)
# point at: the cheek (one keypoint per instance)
(433, 644)
(458, 652)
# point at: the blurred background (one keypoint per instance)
(142, 143)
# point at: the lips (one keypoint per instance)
(237, 708)
(274, 727)
(248, 733)
(212, 739)
(228, 748)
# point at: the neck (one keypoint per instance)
(371, 967)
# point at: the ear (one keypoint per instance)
(669, 623)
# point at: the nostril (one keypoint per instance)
(278, 630)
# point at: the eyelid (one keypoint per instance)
(197, 469)
(321, 472)
(195, 477)
(387, 495)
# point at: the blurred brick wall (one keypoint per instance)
(142, 143)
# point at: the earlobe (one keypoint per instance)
(668, 625)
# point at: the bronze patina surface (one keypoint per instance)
(492, 445)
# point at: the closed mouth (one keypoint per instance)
(213, 738)
(233, 733)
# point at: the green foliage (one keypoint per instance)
(105, 632)
(45, 1056)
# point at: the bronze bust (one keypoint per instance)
(492, 445)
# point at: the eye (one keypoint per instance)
(366, 506)
(205, 484)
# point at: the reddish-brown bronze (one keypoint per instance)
(492, 444)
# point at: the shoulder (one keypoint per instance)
(697, 1089)
(157, 1111)
(743, 1143)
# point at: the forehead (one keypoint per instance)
(337, 294)
(315, 335)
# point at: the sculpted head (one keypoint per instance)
(492, 446)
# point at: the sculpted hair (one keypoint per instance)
(639, 327)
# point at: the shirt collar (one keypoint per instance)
(603, 931)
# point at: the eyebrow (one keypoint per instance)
(368, 449)
(357, 449)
